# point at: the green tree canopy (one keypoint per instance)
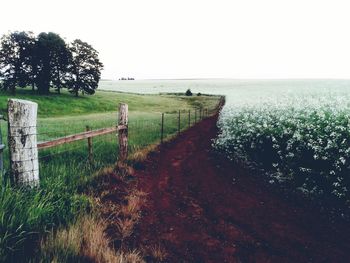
(46, 61)
(53, 57)
(15, 63)
(85, 69)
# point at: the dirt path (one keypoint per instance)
(204, 209)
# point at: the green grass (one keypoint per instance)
(65, 172)
(65, 104)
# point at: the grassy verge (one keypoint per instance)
(27, 215)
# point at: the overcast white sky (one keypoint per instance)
(199, 39)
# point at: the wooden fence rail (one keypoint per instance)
(77, 137)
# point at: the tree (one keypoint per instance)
(85, 69)
(33, 65)
(47, 61)
(53, 59)
(188, 92)
(15, 59)
(60, 66)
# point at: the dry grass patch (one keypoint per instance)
(140, 155)
(84, 241)
(134, 202)
(158, 252)
(130, 257)
(123, 169)
(130, 213)
(125, 227)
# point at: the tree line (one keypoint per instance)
(47, 62)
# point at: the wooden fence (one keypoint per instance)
(23, 145)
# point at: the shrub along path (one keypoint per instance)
(202, 208)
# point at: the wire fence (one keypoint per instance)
(83, 157)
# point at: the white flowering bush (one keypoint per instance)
(301, 138)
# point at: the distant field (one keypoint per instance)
(167, 86)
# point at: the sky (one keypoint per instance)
(157, 39)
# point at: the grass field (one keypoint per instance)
(66, 104)
(65, 172)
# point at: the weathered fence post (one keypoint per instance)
(123, 131)
(90, 149)
(162, 129)
(189, 118)
(178, 123)
(2, 147)
(22, 141)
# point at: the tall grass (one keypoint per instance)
(24, 214)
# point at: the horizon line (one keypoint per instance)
(136, 79)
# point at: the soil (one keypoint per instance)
(203, 208)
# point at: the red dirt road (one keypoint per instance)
(202, 208)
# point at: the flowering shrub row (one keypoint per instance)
(301, 140)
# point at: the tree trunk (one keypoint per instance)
(59, 83)
(13, 90)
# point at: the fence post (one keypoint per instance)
(195, 115)
(178, 123)
(22, 142)
(123, 131)
(162, 129)
(90, 149)
(189, 118)
(2, 147)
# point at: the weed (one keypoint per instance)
(158, 252)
